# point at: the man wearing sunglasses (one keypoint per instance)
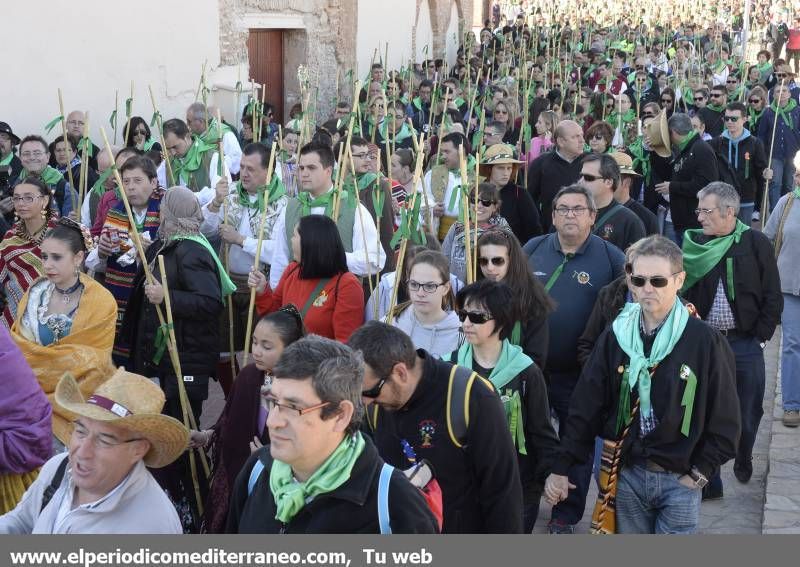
(732, 279)
(409, 396)
(786, 112)
(743, 153)
(662, 380)
(319, 474)
(714, 111)
(573, 265)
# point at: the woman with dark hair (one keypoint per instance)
(241, 428)
(65, 321)
(599, 137)
(20, 255)
(329, 297)
(667, 100)
(487, 314)
(139, 136)
(501, 259)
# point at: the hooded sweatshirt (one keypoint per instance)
(748, 160)
(438, 339)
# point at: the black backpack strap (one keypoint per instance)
(54, 483)
(458, 392)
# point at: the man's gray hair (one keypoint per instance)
(335, 370)
(197, 110)
(659, 246)
(576, 189)
(727, 196)
(680, 123)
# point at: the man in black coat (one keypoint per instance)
(320, 474)
(410, 419)
(732, 279)
(693, 167)
(714, 111)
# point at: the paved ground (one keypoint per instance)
(769, 503)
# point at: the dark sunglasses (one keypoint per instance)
(474, 317)
(779, 75)
(496, 261)
(589, 177)
(699, 98)
(655, 281)
(484, 202)
(754, 100)
(648, 115)
(375, 391)
(712, 95)
(598, 137)
(731, 118)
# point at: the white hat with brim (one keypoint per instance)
(134, 403)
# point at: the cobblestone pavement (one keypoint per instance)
(743, 510)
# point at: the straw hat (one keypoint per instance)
(133, 402)
(658, 130)
(625, 163)
(498, 154)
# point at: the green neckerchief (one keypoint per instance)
(628, 117)
(192, 160)
(785, 111)
(698, 259)
(290, 496)
(266, 194)
(689, 137)
(400, 136)
(50, 175)
(459, 189)
(148, 144)
(715, 107)
(7, 160)
(626, 328)
(796, 192)
(640, 158)
(511, 362)
(98, 188)
(308, 202)
(764, 67)
(212, 135)
(365, 179)
(754, 116)
(227, 286)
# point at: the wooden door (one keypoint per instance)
(265, 49)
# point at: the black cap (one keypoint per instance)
(6, 129)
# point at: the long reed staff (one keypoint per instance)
(69, 169)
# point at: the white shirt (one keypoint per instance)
(356, 260)
(452, 181)
(206, 194)
(233, 152)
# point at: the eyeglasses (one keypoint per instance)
(780, 75)
(428, 287)
(576, 211)
(705, 212)
(699, 98)
(475, 317)
(731, 118)
(28, 199)
(655, 281)
(598, 137)
(714, 95)
(496, 261)
(589, 177)
(273, 403)
(100, 441)
(36, 154)
(375, 391)
(754, 100)
(484, 202)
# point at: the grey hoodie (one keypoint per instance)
(438, 339)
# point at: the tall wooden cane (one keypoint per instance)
(765, 201)
(69, 169)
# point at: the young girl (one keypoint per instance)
(240, 429)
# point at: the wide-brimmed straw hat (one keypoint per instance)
(625, 163)
(658, 130)
(497, 154)
(132, 402)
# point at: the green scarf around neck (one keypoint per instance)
(192, 160)
(50, 175)
(512, 361)
(796, 192)
(7, 160)
(266, 194)
(290, 496)
(626, 328)
(99, 186)
(715, 107)
(308, 202)
(785, 112)
(691, 136)
(699, 259)
(226, 284)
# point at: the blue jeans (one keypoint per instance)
(746, 213)
(569, 511)
(670, 232)
(750, 385)
(782, 180)
(790, 357)
(655, 503)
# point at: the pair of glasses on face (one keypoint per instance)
(655, 281)
(27, 155)
(27, 199)
(375, 391)
(575, 211)
(291, 409)
(589, 177)
(484, 202)
(496, 261)
(754, 100)
(428, 287)
(731, 118)
(475, 317)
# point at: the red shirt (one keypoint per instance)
(794, 39)
(335, 313)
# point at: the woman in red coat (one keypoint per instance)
(330, 299)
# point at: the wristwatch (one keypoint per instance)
(699, 478)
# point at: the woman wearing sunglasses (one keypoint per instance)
(487, 314)
(241, 428)
(486, 217)
(500, 259)
(428, 316)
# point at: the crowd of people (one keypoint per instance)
(470, 287)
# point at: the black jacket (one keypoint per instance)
(749, 173)
(546, 175)
(196, 299)
(660, 171)
(351, 508)
(618, 225)
(517, 207)
(536, 340)
(480, 482)
(713, 120)
(693, 168)
(758, 303)
(715, 422)
(610, 300)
